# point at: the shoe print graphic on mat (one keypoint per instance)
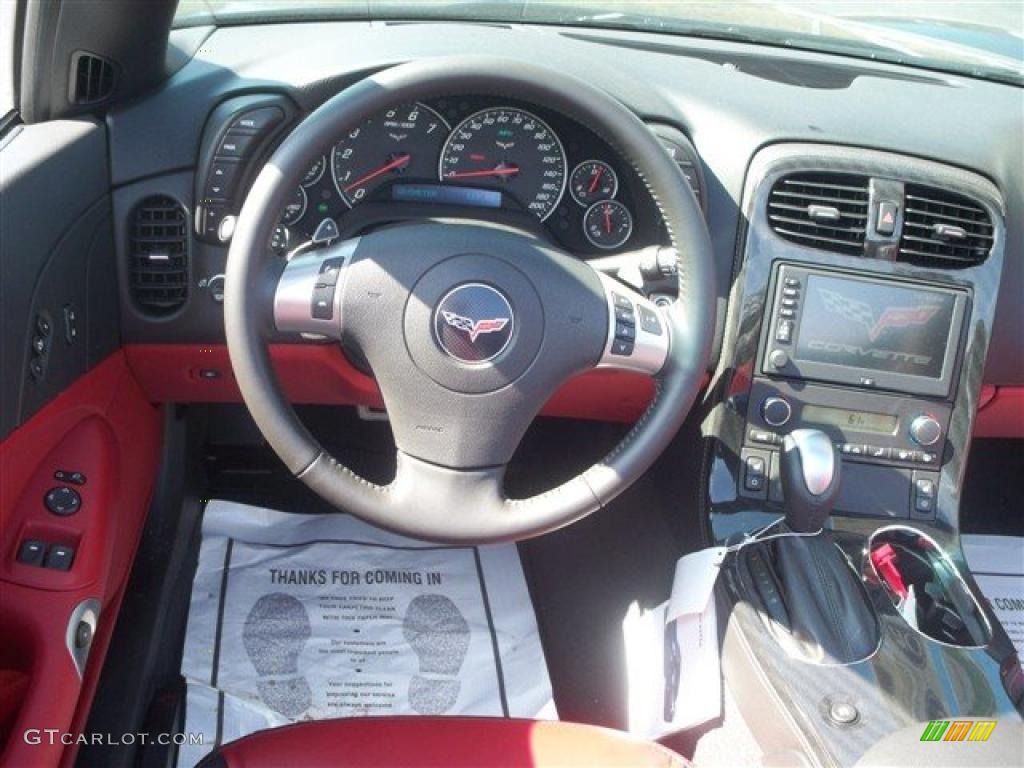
(275, 632)
(439, 634)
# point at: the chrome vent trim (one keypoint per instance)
(821, 210)
(944, 229)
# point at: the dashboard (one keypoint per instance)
(715, 105)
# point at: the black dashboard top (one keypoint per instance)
(730, 99)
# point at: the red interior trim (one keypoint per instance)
(105, 427)
(445, 742)
(1001, 412)
(321, 374)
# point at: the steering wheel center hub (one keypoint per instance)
(474, 323)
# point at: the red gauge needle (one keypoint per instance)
(595, 177)
(608, 219)
(398, 162)
(492, 172)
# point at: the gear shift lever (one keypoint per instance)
(818, 609)
(810, 471)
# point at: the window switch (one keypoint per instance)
(32, 552)
(59, 557)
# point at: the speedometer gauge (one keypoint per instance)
(510, 150)
(401, 143)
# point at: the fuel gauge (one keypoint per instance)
(608, 224)
(593, 180)
(295, 208)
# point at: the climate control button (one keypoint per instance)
(925, 430)
(776, 411)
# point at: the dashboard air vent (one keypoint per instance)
(821, 210)
(158, 254)
(92, 78)
(943, 228)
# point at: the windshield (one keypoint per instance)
(981, 39)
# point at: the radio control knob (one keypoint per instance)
(925, 430)
(775, 411)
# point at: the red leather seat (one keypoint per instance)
(440, 742)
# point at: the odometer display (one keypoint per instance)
(402, 143)
(509, 150)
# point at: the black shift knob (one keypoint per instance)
(810, 473)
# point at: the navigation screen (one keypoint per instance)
(876, 326)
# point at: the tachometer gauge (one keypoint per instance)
(593, 180)
(510, 150)
(315, 172)
(296, 207)
(608, 224)
(403, 142)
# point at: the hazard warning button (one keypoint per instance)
(885, 224)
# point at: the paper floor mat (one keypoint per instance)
(305, 617)
(997, 564)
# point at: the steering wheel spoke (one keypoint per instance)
(307, 298)
(638, 331)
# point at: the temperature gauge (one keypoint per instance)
(591, 181)
(296, 207)
(608, 224)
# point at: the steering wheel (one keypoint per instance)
(468, 327)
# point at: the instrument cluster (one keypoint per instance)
(471, 152)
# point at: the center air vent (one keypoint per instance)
(821, 210)
(158, 254)
(944, 229)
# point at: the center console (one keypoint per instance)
(871, 362)
(861, 313)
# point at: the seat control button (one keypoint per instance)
(68, 476)
(32, 552)
(62, 500)
(60, 557)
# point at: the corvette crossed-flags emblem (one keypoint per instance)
(474, 328)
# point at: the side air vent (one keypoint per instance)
(158, 254)
(92, 78)
(821, 210)
(943, 228)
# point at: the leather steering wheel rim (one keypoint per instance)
(465, 504)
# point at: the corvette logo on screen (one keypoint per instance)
(475, 328)
(863, 314)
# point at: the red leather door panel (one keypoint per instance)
(104, 427)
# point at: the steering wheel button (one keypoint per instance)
(323, 302)
(329, 273)
(624, 315)
(62, 500)
(622, 347)
(624, 332)
(621, 301)
(649, 321)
